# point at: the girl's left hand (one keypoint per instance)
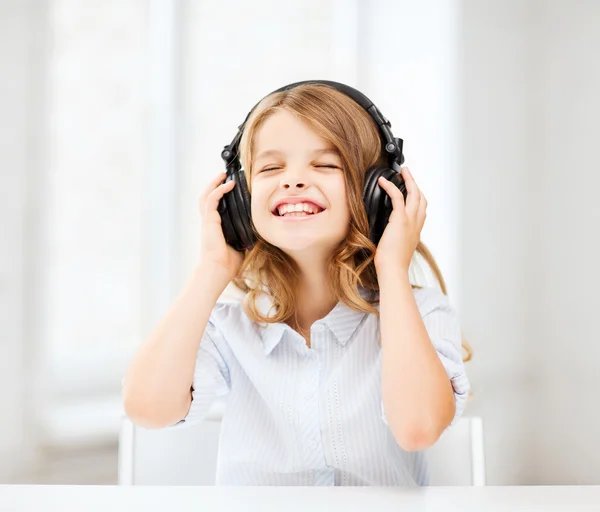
(403, 231)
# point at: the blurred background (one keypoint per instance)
(113, 116)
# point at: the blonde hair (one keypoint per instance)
(266, 269)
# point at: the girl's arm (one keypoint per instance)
(157, 384)
(417, 394)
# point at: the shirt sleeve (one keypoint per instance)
(211, 375)
(443, 327)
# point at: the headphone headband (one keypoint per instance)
(390, 144)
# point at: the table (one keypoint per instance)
(21, 498)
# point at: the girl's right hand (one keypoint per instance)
(215, 250)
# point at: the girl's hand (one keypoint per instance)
(214, 249)
(403, 231)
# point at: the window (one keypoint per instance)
(96, 161)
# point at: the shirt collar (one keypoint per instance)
(341, 321)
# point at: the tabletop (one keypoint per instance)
(17, 498)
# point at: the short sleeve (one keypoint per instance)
(211, 375)
(443, 327)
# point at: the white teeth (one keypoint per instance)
(299, 207)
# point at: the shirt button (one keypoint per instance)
(312, 444)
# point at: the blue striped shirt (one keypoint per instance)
(312, 416)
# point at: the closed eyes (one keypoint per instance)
(326, 166)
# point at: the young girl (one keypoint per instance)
(338, 369)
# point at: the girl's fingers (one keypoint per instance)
(394, 192)
(413, 194)
(211, 187)
(212, 201)
(422, 212)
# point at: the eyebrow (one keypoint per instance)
(276, 152)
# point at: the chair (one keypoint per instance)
(170, 456)
(458, 457)
(188, 456)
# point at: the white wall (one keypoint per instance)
(529, 82)
(22, 37)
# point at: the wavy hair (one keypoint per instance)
(266, 269)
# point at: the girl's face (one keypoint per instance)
(291, 160)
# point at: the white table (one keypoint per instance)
(21, 498)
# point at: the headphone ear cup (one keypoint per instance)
(227, 224)
(242, 201)
(234, 209)
(377, 203)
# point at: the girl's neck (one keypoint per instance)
(314, 300)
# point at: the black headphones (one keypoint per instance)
(234, 206)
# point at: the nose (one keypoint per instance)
(292, 179)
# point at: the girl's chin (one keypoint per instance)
(296, 243)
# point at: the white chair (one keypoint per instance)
(188, 456)
(458, 457)
(170, 456)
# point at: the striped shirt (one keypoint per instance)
(312, 416)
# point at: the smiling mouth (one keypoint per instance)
(305, 209)
(296, 215)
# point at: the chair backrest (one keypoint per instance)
(458, 456)
(188, 456)
(184, 455)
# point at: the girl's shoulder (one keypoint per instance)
(430, 298)
(226, 311)
(228, 323)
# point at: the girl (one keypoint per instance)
(338, 369)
